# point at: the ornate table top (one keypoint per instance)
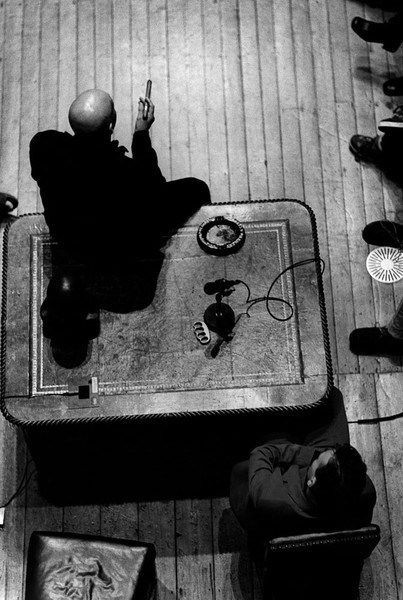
(148, 362)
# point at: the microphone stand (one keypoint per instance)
(220, 317)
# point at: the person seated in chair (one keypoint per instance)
(302, 482)
(99, 204)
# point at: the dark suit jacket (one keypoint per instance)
(277, 502)
(86, 187)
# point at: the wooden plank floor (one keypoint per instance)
(259, 98)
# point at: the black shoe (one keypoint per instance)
(384, 233)
(389, 5)
(7, 204)
(393, 87)
(375, 341)
(391, 124)
(387, 34)
(69, 352)
(366, 148)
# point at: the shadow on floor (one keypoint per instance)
(152, 460)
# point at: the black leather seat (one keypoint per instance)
(317, 565)
(63, 565)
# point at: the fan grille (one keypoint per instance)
(385, 264)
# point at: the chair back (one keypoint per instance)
(317, 565)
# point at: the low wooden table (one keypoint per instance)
(148, 362)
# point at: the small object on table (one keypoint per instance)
(220, 318)
(94, 385)
(220, 341)
(221, 236)
(84, 392)
(201, 332)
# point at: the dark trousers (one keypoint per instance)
(118, 268)
(154, 213)
(397, 20)
(178, 200)
(392, 145)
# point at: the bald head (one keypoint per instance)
(92, 113)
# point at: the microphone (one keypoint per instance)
(219, 285)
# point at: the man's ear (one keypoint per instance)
(311, 481)
(113, 121)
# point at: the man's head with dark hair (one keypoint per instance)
(337, 476)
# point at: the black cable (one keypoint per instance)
(19, 491)
(274, 299)
(22, 485)
(378, 419)
(267, 298)
(247, 287)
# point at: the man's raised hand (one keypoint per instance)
(143, 124)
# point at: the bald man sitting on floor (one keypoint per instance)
(106, 211)
(99, 204)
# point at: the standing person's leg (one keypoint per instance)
(388, 33)
(390, 144)
(395, 327)
(380, 341)
(394, 32)
(397, 21)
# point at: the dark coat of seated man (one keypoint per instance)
(110, 216)
(99, 203)
(316, 485)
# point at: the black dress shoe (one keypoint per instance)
(69, 352)
(7, 204)
(375, 341)
(389, 5)
(387, 34)
(366, 148)
(384, 233)
(393, 87)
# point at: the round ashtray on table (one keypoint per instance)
(221, 235)
(385, 264)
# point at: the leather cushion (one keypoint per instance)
(88, 568)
